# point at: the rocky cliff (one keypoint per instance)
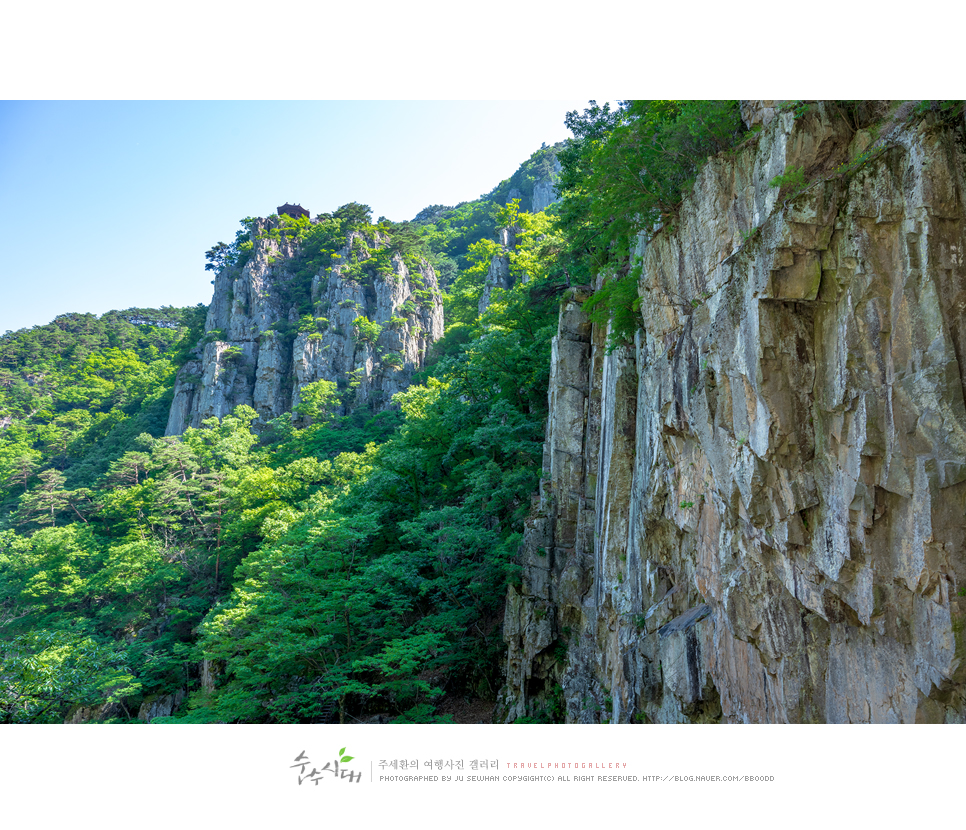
(755, 512)
(372, 320)
(498, 274)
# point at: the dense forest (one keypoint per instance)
(318, 567)
(314, 568)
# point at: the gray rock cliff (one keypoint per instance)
(372, 332)
(545, 190)
(755, 512)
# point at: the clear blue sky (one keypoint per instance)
(112, 204)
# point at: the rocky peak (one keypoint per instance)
(273, 327)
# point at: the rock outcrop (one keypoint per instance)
(545, 190)
(755, 512)
(498, 274)
(369, 329)
(160, 707)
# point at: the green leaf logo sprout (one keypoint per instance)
(343, 758)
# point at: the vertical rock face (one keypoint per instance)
(186, 387)
(162, 707)
(373, 332)
(498, 274)
(755, 512)
(407, 311)
(545, 190)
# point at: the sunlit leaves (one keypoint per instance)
(626, 172)
(318, 400)
(45, 674)
(325, 567)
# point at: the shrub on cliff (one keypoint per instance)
(625, 172)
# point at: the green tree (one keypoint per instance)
(318, 400)
(21, 469)
(46, 674)
(625, 172)
(354, 213)
(43, 504)
(365, 330)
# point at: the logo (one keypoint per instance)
(334, 768)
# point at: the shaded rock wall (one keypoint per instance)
(252, 363)
(755, 513)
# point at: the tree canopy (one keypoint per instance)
(327, 567)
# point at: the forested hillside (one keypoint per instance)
(314, 567)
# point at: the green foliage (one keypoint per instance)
(629, 169)
(327, 566)
(461, 304)
(616, 304)
(506, 216)
(45, 674)
(232, 255)
(946, 109)
(44, 503)
(799, 108)
(792, 180)
(233, 354)
(365, 330)
(193, 322)
(317, 400)
(74, 391)
(625, 172)
(354, 213)
(374, 597)
(450, 234)
(540, 166)
(854, 165)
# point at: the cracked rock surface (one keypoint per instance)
(256, 366)
(756, 512)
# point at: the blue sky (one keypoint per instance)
(108, 200)
(112, 204)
